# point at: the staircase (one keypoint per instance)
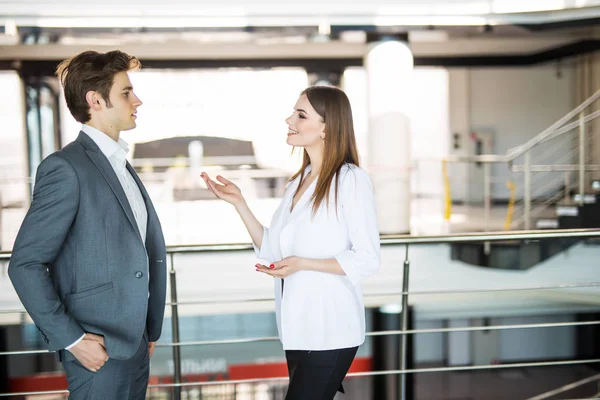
(553, 172)
(555, 185)
(580, 213)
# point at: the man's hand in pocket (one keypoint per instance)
(90, 352)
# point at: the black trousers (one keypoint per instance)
(317, 375)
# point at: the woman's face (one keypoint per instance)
(305, 126)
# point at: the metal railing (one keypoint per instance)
(559, 156)
(566, 388)
(397, 240)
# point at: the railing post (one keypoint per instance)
(387, 352)
(568, 186)
(487, 201)
(404, 327)
(582, 150)
(175, 330)
(527, 190)
(393, 352)
(487, 195)
(1, 212)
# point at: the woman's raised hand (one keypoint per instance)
(225, 190)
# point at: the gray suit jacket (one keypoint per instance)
(79, 263)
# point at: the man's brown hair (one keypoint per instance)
(94, 71)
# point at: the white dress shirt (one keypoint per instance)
(116, 153)
(318, 310)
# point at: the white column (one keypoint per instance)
(354, 83)
(389, 66)
(460, 125)
(458, 344)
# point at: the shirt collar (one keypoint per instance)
(107, 146)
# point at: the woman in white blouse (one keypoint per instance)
(323, 240)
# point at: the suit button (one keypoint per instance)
(139, 274)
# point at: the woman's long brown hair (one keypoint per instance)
(333, 106)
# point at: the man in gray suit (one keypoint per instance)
(89, 260)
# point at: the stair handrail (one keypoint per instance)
(515, 152)
(569, 127)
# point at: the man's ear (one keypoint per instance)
(94, 100)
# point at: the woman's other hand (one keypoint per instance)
(225, 190)
(283, 268)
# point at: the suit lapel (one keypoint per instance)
(136, 178)
(109, 175)
(152, 216)
(138, 182)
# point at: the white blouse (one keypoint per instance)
(318, 310)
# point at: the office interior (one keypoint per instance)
(476, 120)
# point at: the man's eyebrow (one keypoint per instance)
(127, 88)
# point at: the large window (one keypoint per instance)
(223, 121)
(14, 182)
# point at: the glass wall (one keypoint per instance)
(14, 184)
(228, 121)
(222, 121)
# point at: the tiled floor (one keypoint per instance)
(503, 384)
(513, 384)
(427, 218)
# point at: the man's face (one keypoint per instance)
(120, 111)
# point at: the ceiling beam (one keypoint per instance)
(277, 48)
(46, 67)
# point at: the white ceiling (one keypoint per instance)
(228, 13)
(190, 29)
